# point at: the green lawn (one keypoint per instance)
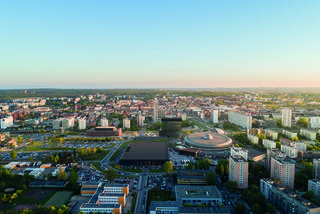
(59, 198)
(95, 156)
(97, 166)
(114, 155)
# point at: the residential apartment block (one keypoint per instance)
(243, 120)
(271, 134)
(309, 133)
(283, 171)
(269, 144)
(238, 171)
(286, 116)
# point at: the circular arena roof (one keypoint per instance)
(208, 141)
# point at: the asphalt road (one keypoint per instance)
(142, 192)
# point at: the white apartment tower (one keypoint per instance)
(82, 123)
(215, 115)
(104, 122)
(126, 123)
(155, 110)
(286, 117)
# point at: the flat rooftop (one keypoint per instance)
(146, 150)
(100, 205)
(188, 191)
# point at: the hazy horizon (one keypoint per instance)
(159, 44)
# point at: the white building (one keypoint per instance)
(104, 122)
(140, 120)
(82, 123)
(269, 144)
(300, 146)
(6, 122)
(67, 123)
(215, 116)
(314, 185)
(241, 119)
(289, 134)
(253, 139)
(309, 133)
(239, 151)
(126, 123)
(286, 117)
(271, 134)
(290, 151)
(314, 122)
(155, 110)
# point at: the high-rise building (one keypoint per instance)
(239, 151)
(314, 122)
(126, 123)
(269, 144)
(82, 123)
(286, 117)
(316, 169)
(171, 127)
(283, 171)
(243, 120)
(140, 120)
(314, 185)
(104, 122)
(285, 200)
(215, 116)
(238, 170)
(155, 110)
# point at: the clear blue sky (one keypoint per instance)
(145, 44)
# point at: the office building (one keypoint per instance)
(192, 176)
(283, 171)
(308, 133)
(215, 116)
(243, 120)
(155, 110)
(195, 195)
(314, 185)
(104, 122)
(164, 207)
(286, 116)
(126, 123)
(269, 144)
(171, 127)
(284, 200)
(104, 132)
(82, 123)
(314, 122)
(238, 170)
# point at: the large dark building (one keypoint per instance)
(170, 127)
(146, 153)
(104, 132)
(192, 176)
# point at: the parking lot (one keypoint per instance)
(179, 161)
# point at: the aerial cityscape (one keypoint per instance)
(159, 107)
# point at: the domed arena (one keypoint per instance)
(208, 141)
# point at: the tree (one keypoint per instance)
(168, 167)
(211, 178)
(222, 170)
(303, 122)
(61, 174)
(270, 208)
(256, 209)
(240, 208)
(188, 132)
(30, 158)
(20, 139)
(110, 174)
(61, 140)
(13, 154)
(278, 145)
(232, 185)
(73, 178)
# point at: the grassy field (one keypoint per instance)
(95, 156)
(59, 198)
(115, 154)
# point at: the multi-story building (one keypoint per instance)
(82, 123)
(243, 120)
(285, 141)
(140, 120)
(191, 177)
(104, 132)
(238, 171)
(290, 151)
(171, 127)
(299, 146)
(215, 115)
(316, 169)
(164, 207)
(253, 139)
(309, 133)
(274, 153)
(271, 134)
(314, 122)
(67, 123)
(286, 116)
(285, 200)
(289, 134)
(155, 110)
(283, 171)
(239, 151)
(104, 122)
(6, 122)
(254, 131)
(269, 144)
(126, 123)
(314, 185)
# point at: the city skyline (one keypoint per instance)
(159, 44)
